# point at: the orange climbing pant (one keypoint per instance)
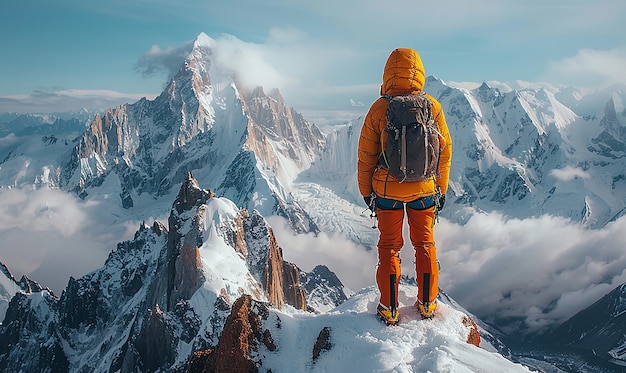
(421, 228)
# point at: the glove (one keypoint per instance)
(370, 202)
(440, 201)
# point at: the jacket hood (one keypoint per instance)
(404, 73)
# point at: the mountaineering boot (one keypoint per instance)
(388, 316)
(427, 310)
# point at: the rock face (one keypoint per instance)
(241, 339)
(184, 263)
(254, 240)
(28, 338)
(9, 286)
(325, 291)
(158, 297)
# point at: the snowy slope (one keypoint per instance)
(361, 343)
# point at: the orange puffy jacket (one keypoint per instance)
(404, 74)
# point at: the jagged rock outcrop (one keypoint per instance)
(254, 240)
(473, 336)
(279, 278)
(28, 340)
(156, 341)
(611, 142)
(293, 291)
(184, 264)
(272, 120)
(241, 338)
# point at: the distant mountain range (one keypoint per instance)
(523, 149)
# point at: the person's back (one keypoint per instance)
(389, 195)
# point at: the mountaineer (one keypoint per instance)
(404, 157)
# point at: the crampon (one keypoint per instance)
(388, 316)
(427, 310)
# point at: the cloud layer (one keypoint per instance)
(509, 268)
(67, 100)
(589, 68)
(49, 235)
(540, 271)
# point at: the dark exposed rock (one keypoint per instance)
(254, 239)
(323, 288)
(156, 343)
(268, 340)
(323, 343)
(28, 340)
(293, 291)
(79, 304)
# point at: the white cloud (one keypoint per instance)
(166, 61)
(254, 64)
(589, 67)
(569, 173)
(66, 100)
(500, 268)
(285, 36)
(303, 68)
(50, 235)
(42, 210)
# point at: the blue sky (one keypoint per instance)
(67, 53)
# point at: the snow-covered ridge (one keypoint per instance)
(520, 152)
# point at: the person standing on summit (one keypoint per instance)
(404, 157)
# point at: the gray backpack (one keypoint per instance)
(412, 149)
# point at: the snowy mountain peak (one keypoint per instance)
(247, 144)
(159, 296)
(203, 40)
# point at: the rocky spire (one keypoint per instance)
(184, 263)
(190, 195)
